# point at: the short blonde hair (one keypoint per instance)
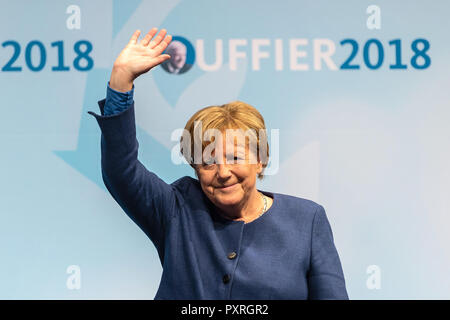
(233, 115)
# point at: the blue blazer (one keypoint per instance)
(287, 253)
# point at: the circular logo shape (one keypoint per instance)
(182, 56)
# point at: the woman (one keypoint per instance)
(217, 237)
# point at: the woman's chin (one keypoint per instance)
(228, 198)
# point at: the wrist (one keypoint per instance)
(120, 80)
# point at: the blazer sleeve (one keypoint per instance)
(147, 200)
(325, 276)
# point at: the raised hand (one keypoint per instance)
(138, 58)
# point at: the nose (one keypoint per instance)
(223, 171)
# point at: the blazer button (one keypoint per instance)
(226, 278)
(232, 255)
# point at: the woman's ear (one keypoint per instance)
(259, 167)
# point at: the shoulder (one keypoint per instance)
(190, 190)
(307, 213)
(294, 203)
(297, 208)
(188, 186)
(186, 181)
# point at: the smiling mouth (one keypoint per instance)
(227, 187)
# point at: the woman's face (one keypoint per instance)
(230, 184)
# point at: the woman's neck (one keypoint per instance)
(247, 211)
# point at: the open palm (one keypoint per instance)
(139, 57)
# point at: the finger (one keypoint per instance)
(158, 38)
(145, 41)
(135, 36)
(163, 45)
(160, 59)
(164, 57)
